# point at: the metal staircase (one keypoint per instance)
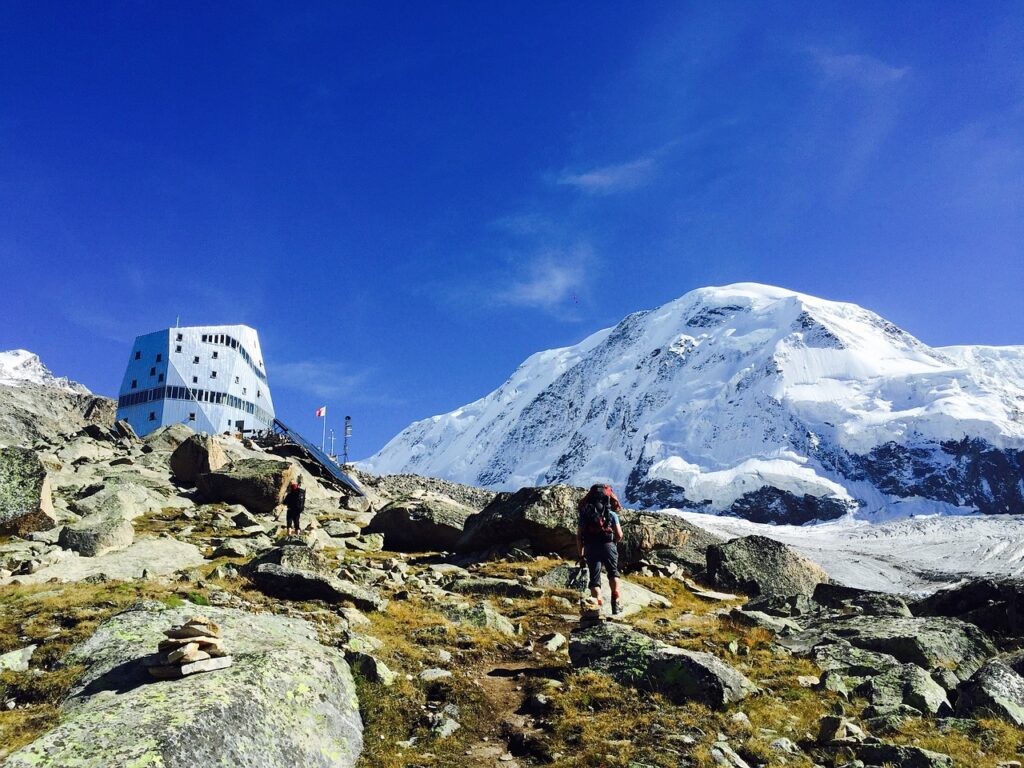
(319, 456)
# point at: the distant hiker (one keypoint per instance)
(295, 503)
(597, 536)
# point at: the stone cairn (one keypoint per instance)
(590, 612)
(195, 646)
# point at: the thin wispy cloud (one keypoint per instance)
(323, 378)
(858, 68)
(610, 179)
(550, 282)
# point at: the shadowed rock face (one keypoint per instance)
(421, 523)
(995, 690)
(196, 456)
(547, 518)
(116, 716)
(25, 501)
(34, 412)
(757, 565)
(640, 661)
(259, 485)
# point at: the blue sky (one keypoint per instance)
(407, 199)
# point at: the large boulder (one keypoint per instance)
(296, 584)
(259, 485)
(286, 700)
(196, 456)
(906, 684)
(997, 606)
(546, 516)
(669, 537)
(930, 643)
(293, 552)
(118, 497)
(757, 565)
(97, 535)
(480, 614)
(995, 690)
(167, 438)
(639, 661)
(26, 504)
(874, 753)
(423, 522)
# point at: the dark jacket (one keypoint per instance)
(295, 501)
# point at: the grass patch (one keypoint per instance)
(55, 617)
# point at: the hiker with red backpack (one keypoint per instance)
(597, 537)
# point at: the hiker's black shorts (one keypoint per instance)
(598, 555)
(293, 519)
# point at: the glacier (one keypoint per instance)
(747, 400)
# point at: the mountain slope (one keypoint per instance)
(36, 405)
(751, 400)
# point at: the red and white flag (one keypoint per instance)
(321, 411)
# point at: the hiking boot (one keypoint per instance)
(616, 608)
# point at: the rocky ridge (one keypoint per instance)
(464, 643)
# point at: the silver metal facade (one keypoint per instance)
(210, 377)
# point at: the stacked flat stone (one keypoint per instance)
(195, 646)
(590, 611)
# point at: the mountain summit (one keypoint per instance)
(749, 400)
(19, 367)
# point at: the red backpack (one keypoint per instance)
(596, 516)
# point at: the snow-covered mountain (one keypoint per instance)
(750, 400)
(19, 367)
(36, 405)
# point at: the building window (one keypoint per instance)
(179, 337)
(215, 354)
(258, 393)
(159, 357)
(213, 374)
(152, 371)
(160, 377)
(236, 380)
(195, 379)
(243, 390)
(196, 359)
(192, 416)
(138, 355)
(152, 415)
(178, 348)
(135, 383)
(204, 337)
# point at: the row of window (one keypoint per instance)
(195, 380)
(198, 395)
(228, 341)
(212, 338)
(239, 424)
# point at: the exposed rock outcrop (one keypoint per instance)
(757, 565)
(929, 643)
(546, 517)
(198, 455)
(118, 716)
(423, 522)
(259, 485)
(97, 535)
(995, 690)
(640, 661)
(296, 584)
(26, 503)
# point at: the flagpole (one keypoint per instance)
(323, 440)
